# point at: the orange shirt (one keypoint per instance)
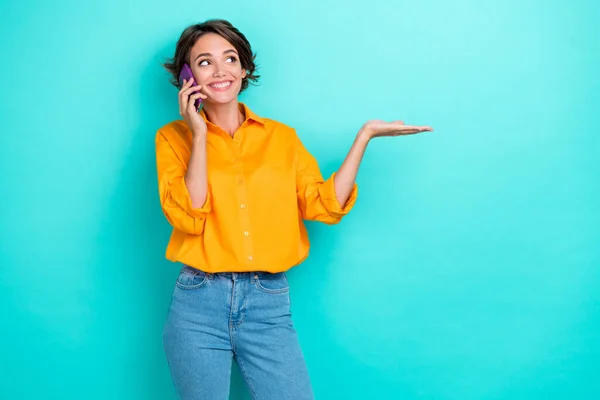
(262, 184)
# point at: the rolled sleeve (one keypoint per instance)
(330, 201)
(180, 195)
(174, 196)
(317, 198)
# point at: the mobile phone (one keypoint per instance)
(186, 73)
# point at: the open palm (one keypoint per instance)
(378, 128)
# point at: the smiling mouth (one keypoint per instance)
(220, 85)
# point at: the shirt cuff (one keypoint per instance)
(330, 200)
(181, 196)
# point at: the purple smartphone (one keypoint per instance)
(186, 73)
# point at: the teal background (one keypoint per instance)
(467, 270)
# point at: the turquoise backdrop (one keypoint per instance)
(469, 268)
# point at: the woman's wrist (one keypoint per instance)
(363, 135)
(199, 136)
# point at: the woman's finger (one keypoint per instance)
(184, 95)
(195, 97)
(185, 85)
(181, 96)
(406, 128)
(410, 131)
(425, 128)
(417, 128)
(192, 89)
(191, 106)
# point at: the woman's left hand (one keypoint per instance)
(377, 128)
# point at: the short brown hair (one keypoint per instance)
(222, 28)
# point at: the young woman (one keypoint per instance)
(236, 188)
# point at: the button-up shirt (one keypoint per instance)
(262, 185)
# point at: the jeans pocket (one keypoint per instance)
(272, 283)
(190, 278)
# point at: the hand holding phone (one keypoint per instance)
(187, 75)
(190, 102)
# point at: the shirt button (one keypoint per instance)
(243, 206)
(250, 258)
(240, 182)
(246, 233)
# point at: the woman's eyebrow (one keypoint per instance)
(210, 55)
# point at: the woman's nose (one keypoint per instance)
(218, 71)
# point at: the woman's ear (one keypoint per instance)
(244, 73)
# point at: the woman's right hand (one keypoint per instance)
(188, 110)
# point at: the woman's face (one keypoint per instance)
(216, 66)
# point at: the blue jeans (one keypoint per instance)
(215, 318)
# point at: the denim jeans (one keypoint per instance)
(216, 318)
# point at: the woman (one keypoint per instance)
(236, 187)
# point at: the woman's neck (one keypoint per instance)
(226, 116)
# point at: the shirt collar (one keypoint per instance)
(245, 110)
(250, 114)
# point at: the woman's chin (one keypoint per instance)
(220, 100)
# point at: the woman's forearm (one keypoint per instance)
(196, 179)
(346, 175)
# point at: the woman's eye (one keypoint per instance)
(231, 59)
(203, 62)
